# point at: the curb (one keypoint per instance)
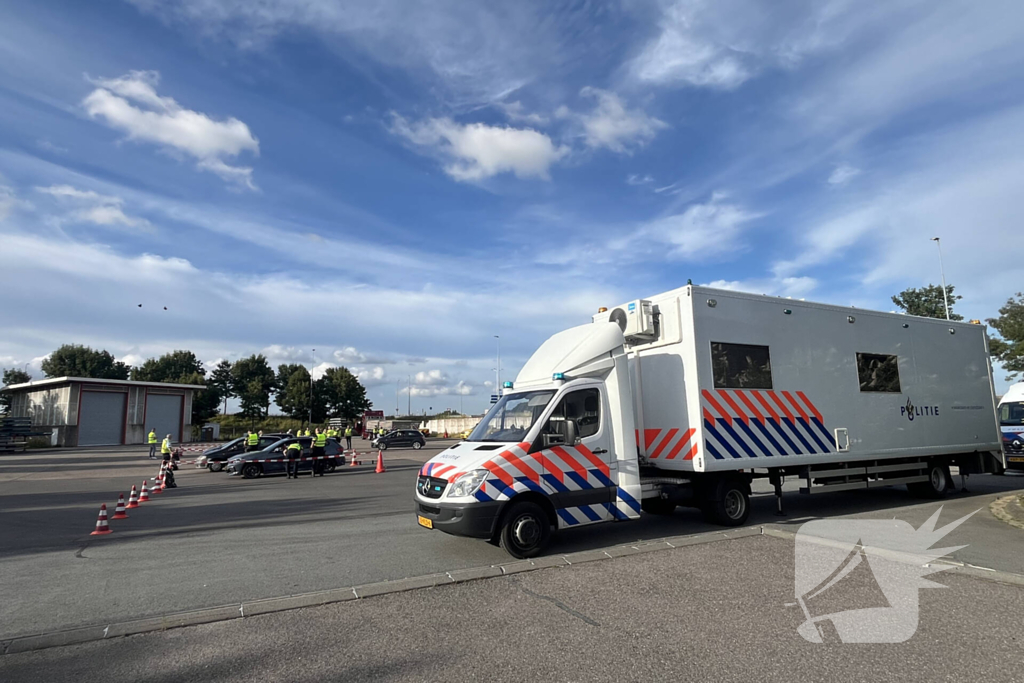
(85, 634)
(1001, 509)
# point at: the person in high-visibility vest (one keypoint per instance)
(348, 437)
(252, 442)
(152, 443)
(165, 448)
(319, 442)
(294, 452)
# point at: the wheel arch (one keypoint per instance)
(526, 496)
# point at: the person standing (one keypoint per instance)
(294, 452)
(252, 442)
(348, 437)
(152, 442)
(165, 448)
(319, 442)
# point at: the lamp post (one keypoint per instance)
(311, 387)
(942, 271)
(410, 396)
(497, 369)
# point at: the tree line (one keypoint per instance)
(338, 393)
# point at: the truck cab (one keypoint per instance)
(1011, 424)
(557, 450)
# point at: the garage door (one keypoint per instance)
(101, 419)
(163, 413)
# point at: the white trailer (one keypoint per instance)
(685, 397)
(1011, 422)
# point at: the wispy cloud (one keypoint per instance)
(95, 208)
(842, 174)
(131, 104)
(635, 179)
(611, 124)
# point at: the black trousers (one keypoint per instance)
(293, 467)
(348, 442)
(318, 465)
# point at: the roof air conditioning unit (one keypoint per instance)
(636, 320)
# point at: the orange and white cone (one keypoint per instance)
(158, 483)
(133, 499)
(101, 522)
(380, 462)
(119, 512)
(144, 496)
(352, 459)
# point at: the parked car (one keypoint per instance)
(400, 438)
(248, 465)
(215, 458)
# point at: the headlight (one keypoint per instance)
(467, 484)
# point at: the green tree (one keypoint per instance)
(252, 381)
(170, 367)
(74, 360)
(344, 395)
(1008, 348)
(220, 379)
(12, 376)
(293, 390)
(927, 302)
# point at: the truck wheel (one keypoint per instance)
(216, 466)
(525, 530)
(657, 506)
(731, 504)
(251, 471)
(938, 482)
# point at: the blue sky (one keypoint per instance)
(394, 183)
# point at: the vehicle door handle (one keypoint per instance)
(599, 451)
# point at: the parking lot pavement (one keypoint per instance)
(721, 611)
(219, 540)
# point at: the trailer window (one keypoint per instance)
(878, 372)
(741, 366)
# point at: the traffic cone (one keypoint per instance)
(101, 522)
(133, 498)
(352, 459)
(144, 496)
(380, 462)
(157, 482)
(119, 512)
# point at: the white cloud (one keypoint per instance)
(131, 104)
(634, 179)
(611, 124)
(477, 151)
(795, 287)
(351, 355)
(430, 378)
(95, 208)
(515, 111)
(843, 174)
(701, 231)
(8, 200)
(371, 377)
(461, 388)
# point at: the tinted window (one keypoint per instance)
(1011, 414)
(878, 372)
(584, 407)
(741, 366)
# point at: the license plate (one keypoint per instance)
(425, 522)
(1010, 459)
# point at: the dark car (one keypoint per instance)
(215, 458)
(271, 460)
(400, 438)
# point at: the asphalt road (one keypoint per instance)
(218, 540)
(721, 612)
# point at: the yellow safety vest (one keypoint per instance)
(321, 440)
(295, 446)
(254, 440)
(348, 431)
(165, 447)
(152, 437)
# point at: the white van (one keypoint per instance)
(1011, 422)
(685, 397)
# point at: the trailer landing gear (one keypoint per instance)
(775, 478)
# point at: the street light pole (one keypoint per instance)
(410, 395)
(942, 270)
(311, 387)
(497, 369)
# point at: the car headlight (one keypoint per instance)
(467, 484)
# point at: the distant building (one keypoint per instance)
(104, 412)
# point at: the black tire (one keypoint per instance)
(251, 470)
(417, 445)
(657, 506)
(730, 505)
(525, 530)
(216, 466)
(938, 484)
(330, 466)
(382, 446)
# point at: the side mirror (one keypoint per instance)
(570, 432)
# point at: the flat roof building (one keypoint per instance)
(82, 411)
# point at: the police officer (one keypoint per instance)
(294, 452)
(152, 442)
(165, 448)
(319, 442)
(348, 437)
(252, 442)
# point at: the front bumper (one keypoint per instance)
(477, 520)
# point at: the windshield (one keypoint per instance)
(1011, 414)
(511, 417)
